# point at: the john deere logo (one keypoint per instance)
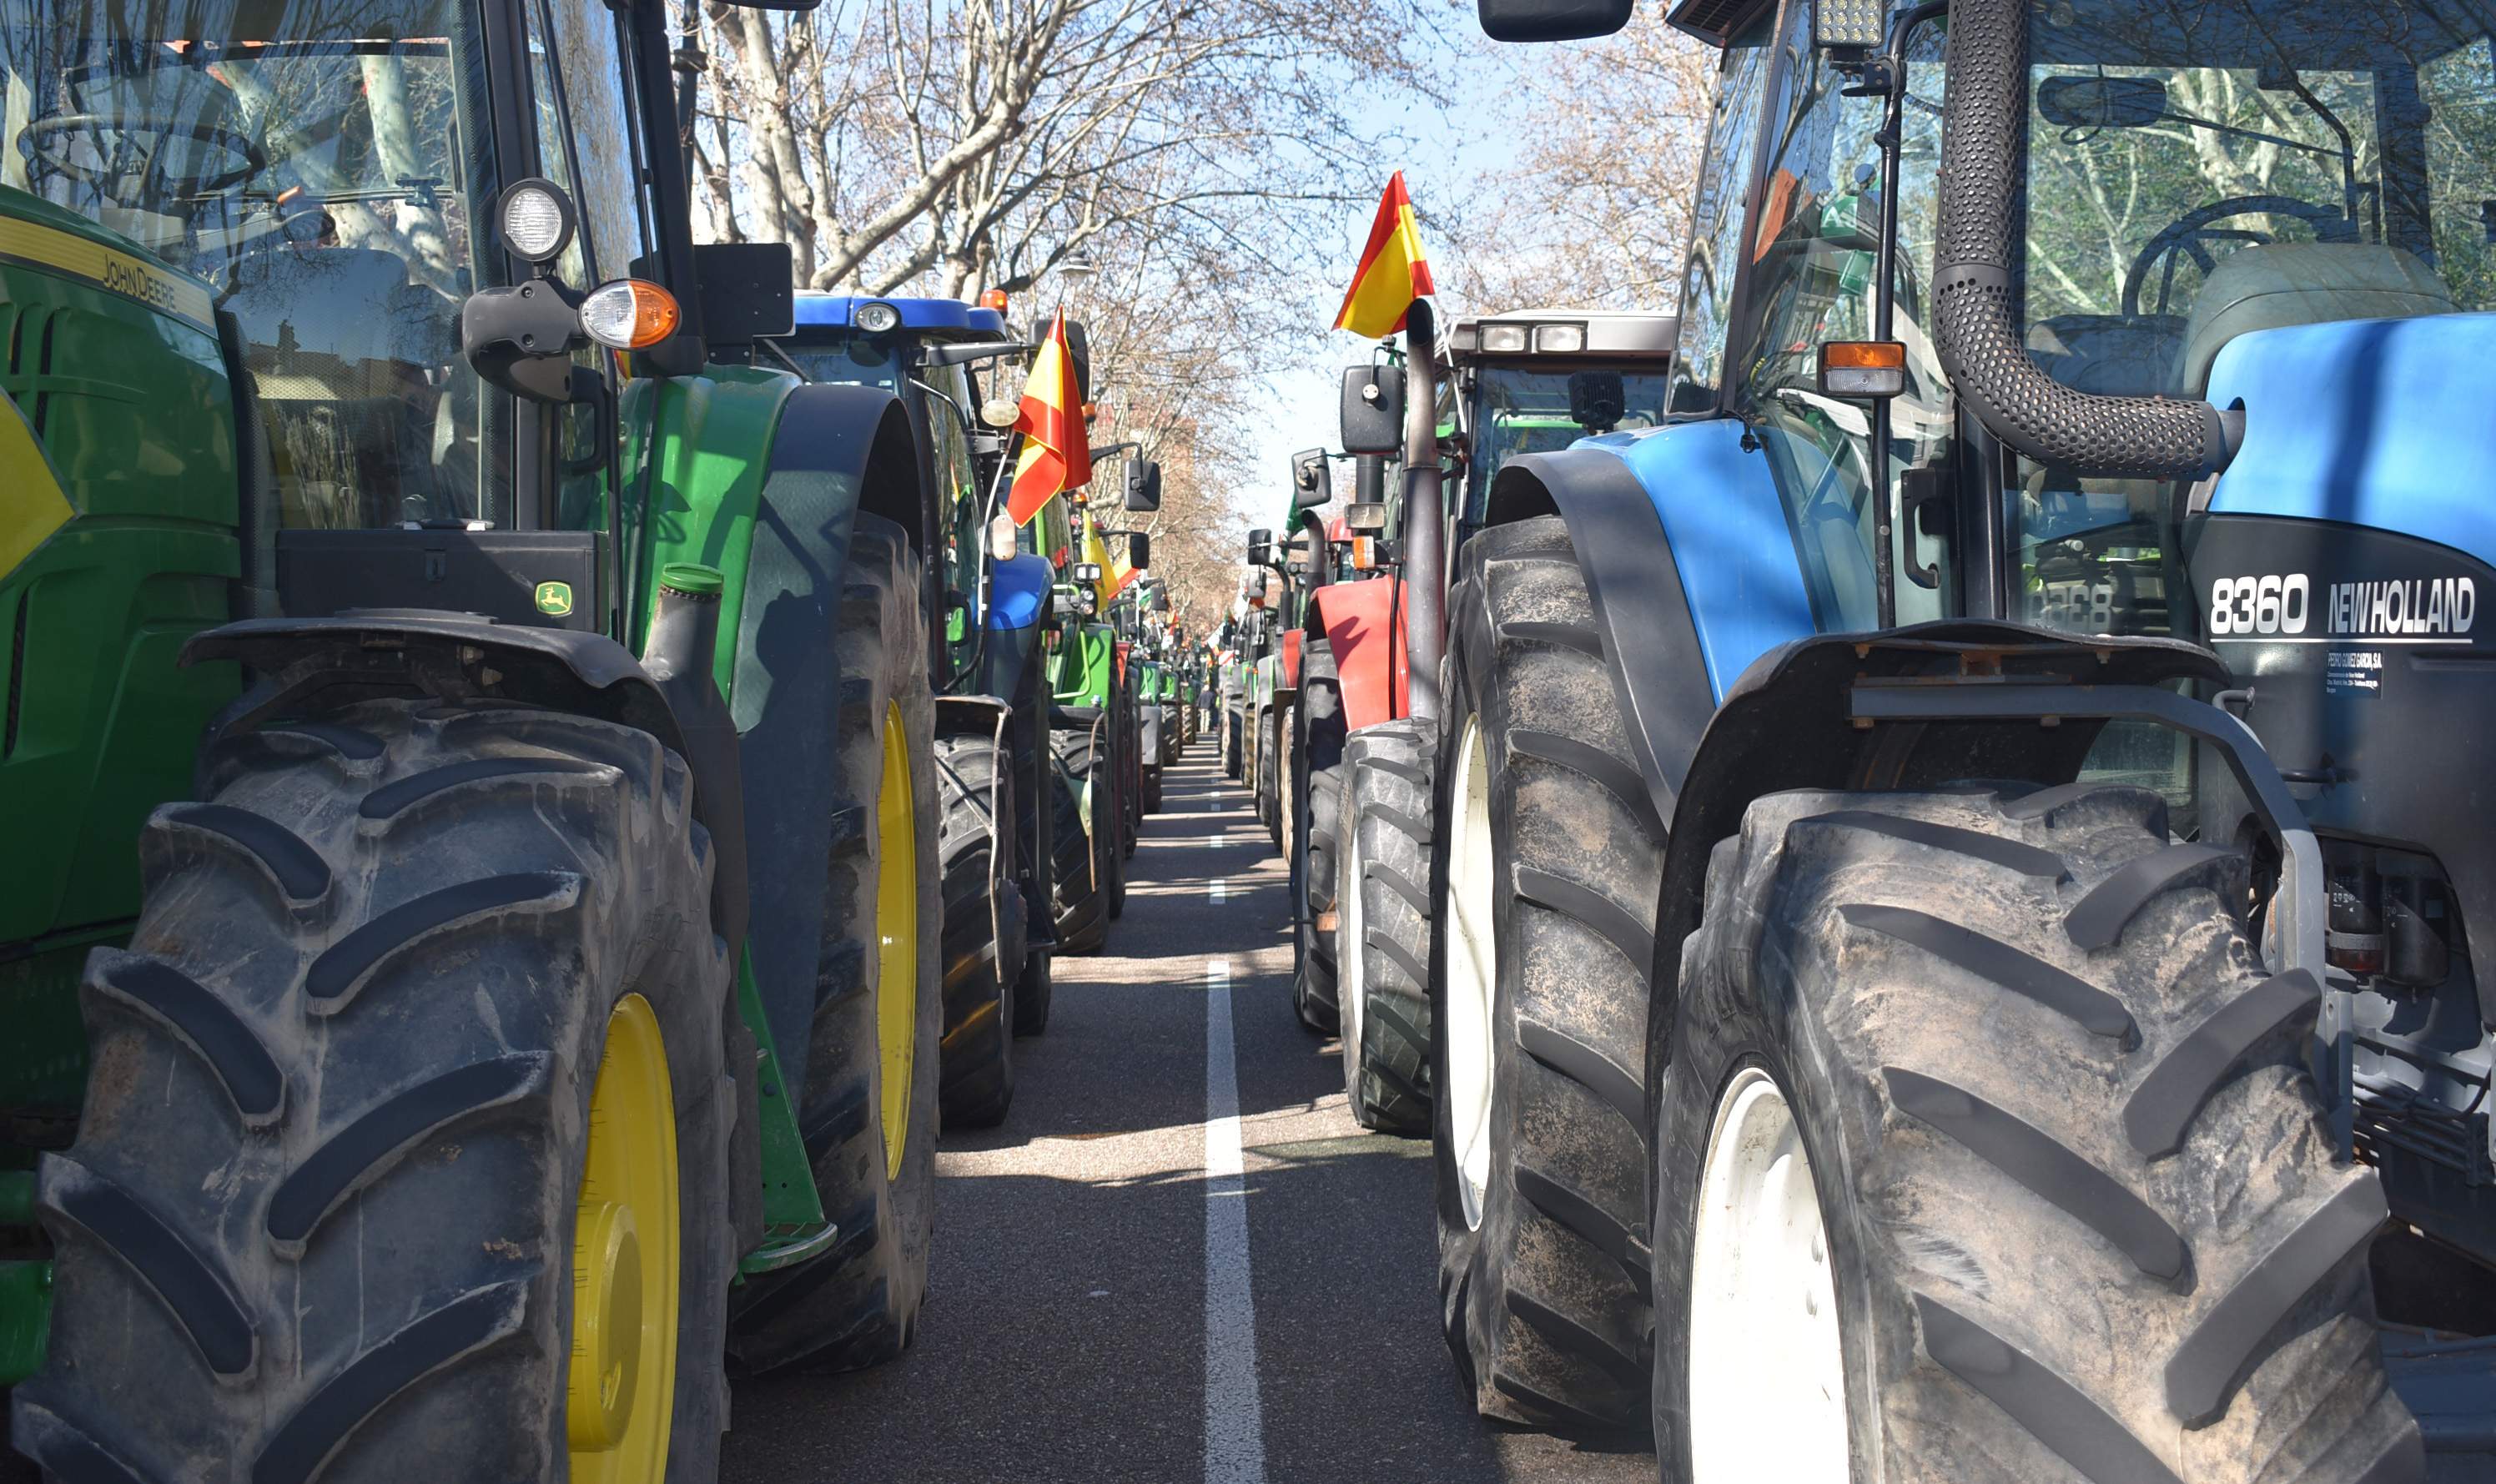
(554, 598)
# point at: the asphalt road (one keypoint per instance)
(1122, 1292)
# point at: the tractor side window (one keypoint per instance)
(597, 87)
(959, 506)
(1815, 256)
(1716, 224)
(322, 171)
(2195, 173)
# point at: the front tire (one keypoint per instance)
(984, 931)
(1086, 866)
(870, 1113)
(1383, 926)
(327, 1210)
(2082, 1217)
(1546, 873)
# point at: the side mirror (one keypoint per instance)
(1371, 417)
(1139, 550)
(1552, 20)
(2091, 102)
(746, 291)
(1143, 485)
(1312, 482)
(1261, 547)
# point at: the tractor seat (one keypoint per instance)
(2272, 285)
(2109, 354)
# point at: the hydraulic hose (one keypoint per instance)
(1984, 122)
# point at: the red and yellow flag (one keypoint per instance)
(1056, 447)
(1394, 270)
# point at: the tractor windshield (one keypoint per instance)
(2199, 169)
(1516, 411)
(310, 162)
(853, 360)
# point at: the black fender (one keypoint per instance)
(836, 451)
(1634, 584)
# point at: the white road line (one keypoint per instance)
(1218, 893)
(1235, 1422)
(1217, 841)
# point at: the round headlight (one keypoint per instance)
(1000, 413)
(878, 317)
(537, 220)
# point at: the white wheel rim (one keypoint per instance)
(1767, 1372)
(1472, 970)
(1352, 945)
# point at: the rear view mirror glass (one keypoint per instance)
(1139, 550)
(1552, 20)
(1143, 484)
(2093, 102)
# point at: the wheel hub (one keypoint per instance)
(1767, 1365)
(1473, 963)
(896, 935)
(620, 1386)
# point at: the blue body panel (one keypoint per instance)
(1016, 588)
(1727, 527)
(2386, 424)
(838, 311)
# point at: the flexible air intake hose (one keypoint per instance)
(1984, 120)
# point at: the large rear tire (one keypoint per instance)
(1988, 1152)
(1233, 727)
(410, 975)
(984, 931)
(1546, 869)
(1382, 925)
(1086, 856)
(870, 1113)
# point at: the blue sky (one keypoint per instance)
(1445, 157)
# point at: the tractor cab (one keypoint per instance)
(1537, 381)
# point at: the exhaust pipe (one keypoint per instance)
(1984, 123)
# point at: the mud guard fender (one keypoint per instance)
(1363, 622)
(1643, 616)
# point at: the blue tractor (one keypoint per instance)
(987, 667)
(1960, 883)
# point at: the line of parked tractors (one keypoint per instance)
(1923, 873)
(1917, 857)
(537, 773)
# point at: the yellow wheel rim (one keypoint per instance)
(621, 1393)
(896, 935)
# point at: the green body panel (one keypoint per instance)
(697, 449)
(1084, 665)
(132, 412)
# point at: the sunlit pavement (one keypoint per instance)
(1086, 1250)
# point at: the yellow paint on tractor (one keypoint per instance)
(621, 1393)
(896, 935)
(32, 503)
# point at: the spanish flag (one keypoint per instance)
(1056, 447)
(1115, 572)
(1393, 271)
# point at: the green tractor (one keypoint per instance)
(991, 705)
(1090, 816)
(480, 979)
